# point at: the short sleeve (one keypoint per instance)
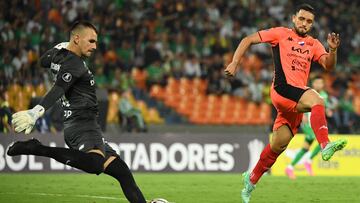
(271, 35)
(319, 51)
(71, 70)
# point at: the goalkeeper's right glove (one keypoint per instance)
(25, 120)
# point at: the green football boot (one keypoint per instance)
(331, 148)
(248, 187)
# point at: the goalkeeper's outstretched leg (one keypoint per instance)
(91, 162)
(88, 162)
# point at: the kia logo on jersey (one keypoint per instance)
(299, 50)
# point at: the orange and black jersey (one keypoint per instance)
(292, 55)
(72, 75)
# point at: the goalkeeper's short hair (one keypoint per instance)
(79, 25)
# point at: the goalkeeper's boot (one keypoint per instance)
(331, 148)
(23, 147)
(248, 187)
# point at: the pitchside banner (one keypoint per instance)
(170, 152)
(344, 163)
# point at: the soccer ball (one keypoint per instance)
(158, 200)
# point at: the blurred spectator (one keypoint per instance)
(151, 55)
(155, 74)
(43, 124)
(333, 114)
(347, 111)
(192, 67)
(69, 11)
(100, 79)
(130, 117)
(218, 84)
(5, 115)
(256, 89)
(122, 81)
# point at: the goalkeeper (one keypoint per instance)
(318, 85)
(74, 84)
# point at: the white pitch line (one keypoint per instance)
(63, 195)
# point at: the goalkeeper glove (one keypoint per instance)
(25, 120)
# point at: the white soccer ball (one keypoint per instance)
(159, 200)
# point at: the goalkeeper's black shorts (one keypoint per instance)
(86, 135)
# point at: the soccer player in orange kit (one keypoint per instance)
(293, 51)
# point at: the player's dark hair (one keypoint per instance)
(306, 7)
(80, 25)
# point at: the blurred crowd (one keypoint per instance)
(176, 38)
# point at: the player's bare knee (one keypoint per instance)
(319, 101)
(278, 148)
(282, 148)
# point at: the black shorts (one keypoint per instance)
(87, 135)
(290, 92)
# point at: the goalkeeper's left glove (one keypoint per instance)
(25, 120)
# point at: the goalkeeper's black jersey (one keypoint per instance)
(72, 74)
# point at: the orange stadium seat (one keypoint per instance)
(185, 83)
(185, 107)
(157, 91)
(172, 84)
(197, 117)
(40, 90)
(29, 90)
(140, 78)
(357, 104)
(265, 113)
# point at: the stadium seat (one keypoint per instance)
(140, 78)
(29, 90)
(265, 113)
(154, 117)
(357, 104)
(157, 92)
(40, 90)
(172, 84)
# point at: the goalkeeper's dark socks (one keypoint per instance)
(121, 172)
(267, 159)
(88, 162)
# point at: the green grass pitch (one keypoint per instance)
(179, 188)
